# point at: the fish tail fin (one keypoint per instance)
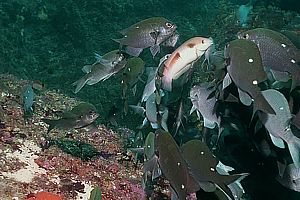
(228, 179)
(80, 83)
(295, 80)
(294, 148)
(51, 124)
(260, 103)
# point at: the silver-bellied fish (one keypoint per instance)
(183, 58)
(80, 116)
(150, 32)
(199, 95)
(246, 71)
(278, 53)
(105, 66)
(278, 125)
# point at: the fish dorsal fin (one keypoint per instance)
(226, 81)
(68, 115)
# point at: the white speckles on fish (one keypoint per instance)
(278, 53)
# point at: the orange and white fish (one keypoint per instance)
(182, 59)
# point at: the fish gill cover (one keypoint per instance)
(135, 63)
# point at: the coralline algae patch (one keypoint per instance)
(26, 154)
(30, 171)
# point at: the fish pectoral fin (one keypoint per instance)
(80, 83)
(226, 81)
(278, 142)
(154, 35)
(154, 49)
(207, 186)
(245, 98)
(209, 124)
(133, 51)
(154, 125)
(280, 76)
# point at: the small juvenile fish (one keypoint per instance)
(150, 32)
(278, 125)
(242, 14)
(80, 116)
(278, 53)
(106, 66)
(28, 99)
(182, 59)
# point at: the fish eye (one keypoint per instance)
(202, 41)
(169, 25)
(246, 36)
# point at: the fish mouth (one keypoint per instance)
(173, 27)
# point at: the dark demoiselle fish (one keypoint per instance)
(246, 71)
(203, 163)
(106, 66)
(183, 58)
(278, 53)
(133, 70)
(278, 125)
(80, 116)
(173, 166)
(146, 33)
